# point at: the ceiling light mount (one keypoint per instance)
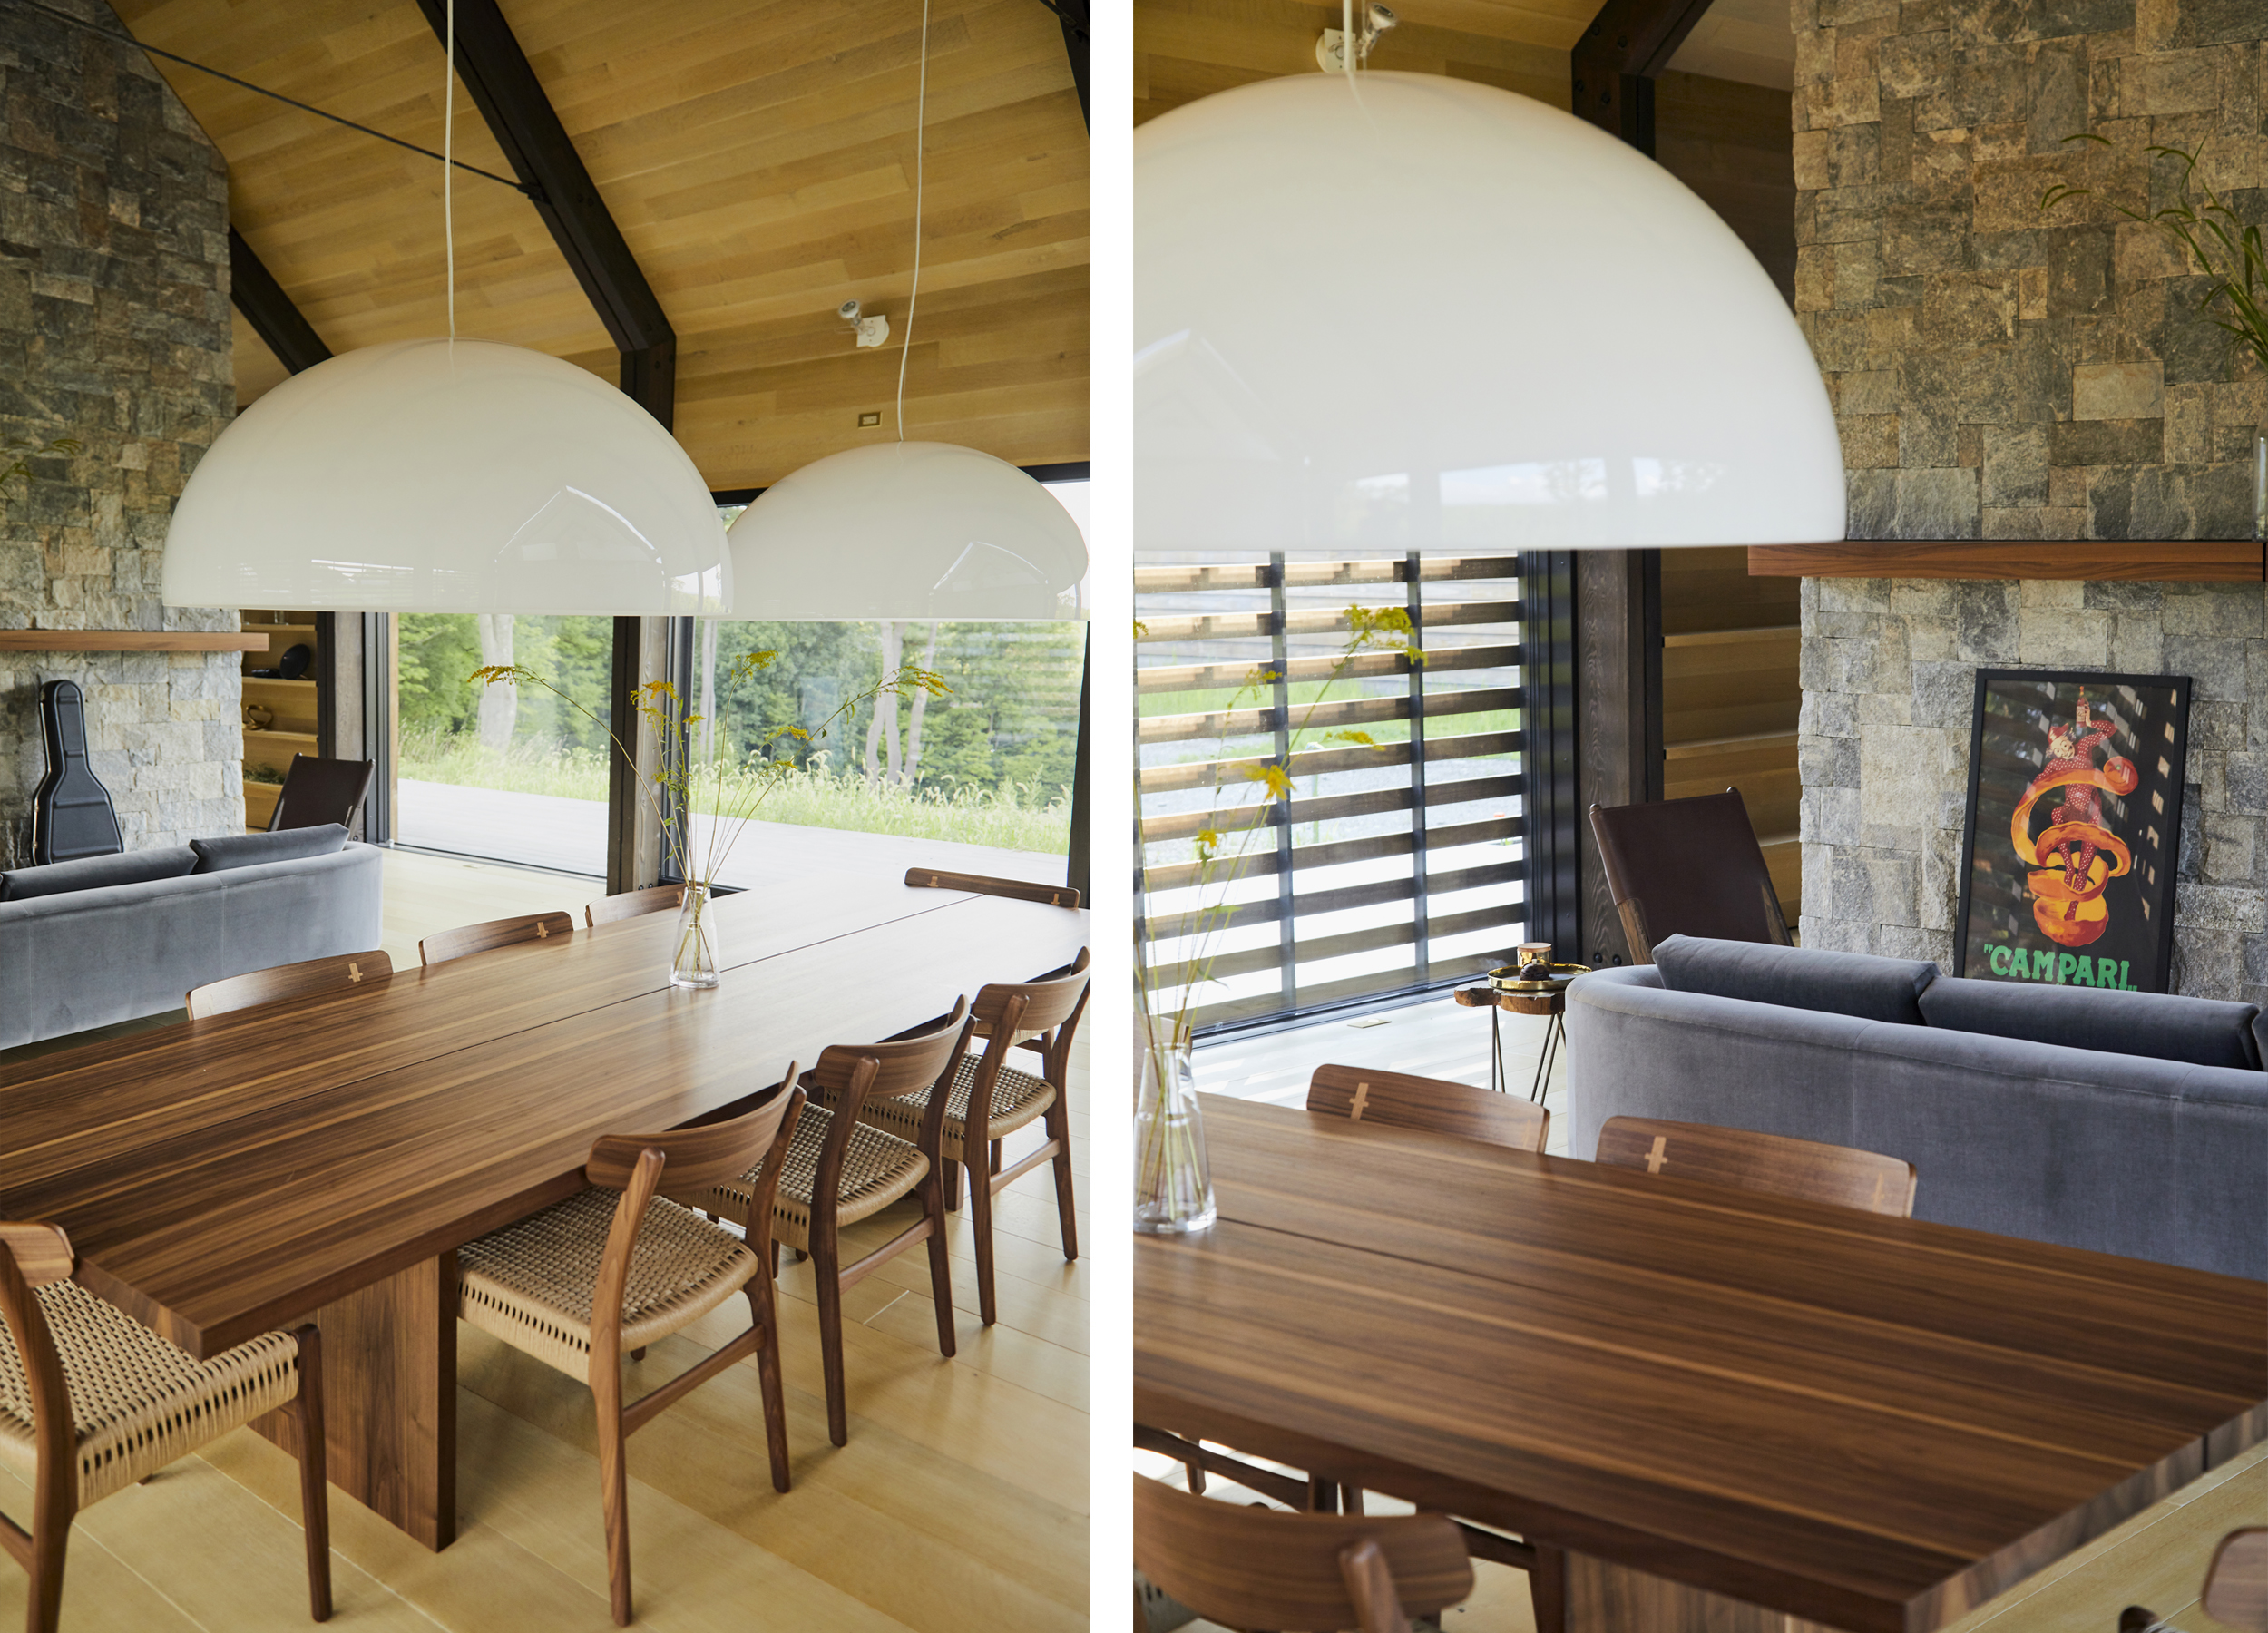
(872, 331)
(1330, 49)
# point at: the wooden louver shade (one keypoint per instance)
(1461, 745)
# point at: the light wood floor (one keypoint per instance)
(959, 1505)
(1434, 1039)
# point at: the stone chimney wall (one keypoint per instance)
(114, 330)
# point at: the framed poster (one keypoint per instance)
(2075, 815)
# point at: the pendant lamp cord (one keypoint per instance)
(921, 111)
(448, 165)
(1346, 37)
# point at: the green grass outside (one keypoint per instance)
(1018, 817)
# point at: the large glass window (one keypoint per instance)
(1387, 853)
(977, 779)
(517, 774)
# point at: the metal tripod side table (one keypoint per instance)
(1552, 1005)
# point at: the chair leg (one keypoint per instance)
(639, 1353)
(995, 1167)
(1059, 1129)
(315, 1489)
(614, 1499)
(1547, 1588)
(830, 1289)
(952, 1182)
(981, 1226)
(46, 1607)
(762, 1311)
(940, 1260)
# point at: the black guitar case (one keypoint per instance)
(72, 815)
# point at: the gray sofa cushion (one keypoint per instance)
(250, 850)
(2156, 1160)
(95, 872)
(1835, 983)
(2198, 1030)
(93, 957)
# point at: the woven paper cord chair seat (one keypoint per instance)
(141, 1402)
(1017, 1097)
(877, 1169)
(530, 1284)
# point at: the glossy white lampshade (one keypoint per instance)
(1419, 313)
(448, 476)
(914, 530)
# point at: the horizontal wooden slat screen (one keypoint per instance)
(1398, 784)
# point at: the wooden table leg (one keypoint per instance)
(389, 1399)
(1606, 1597)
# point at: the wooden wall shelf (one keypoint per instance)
(129, 640)
(2198, 560)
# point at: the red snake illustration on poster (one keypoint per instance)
(2076, 855)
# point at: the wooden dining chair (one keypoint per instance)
(1259, 1567)
(841, 1169)
(467, 939)
(1022, 890)
(625, 1264)
(987, 1093)
(2236, 1584)
(93, 1402)
(289, 981)
(1395, 1099)
(633, 904)
(1772, 1163)
(2235, 1593)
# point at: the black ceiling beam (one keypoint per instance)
(495, 73)
(1615, 63)
(1077, 17)
(281, 325)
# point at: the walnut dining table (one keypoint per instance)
(1727, 1409)
(325, 1157)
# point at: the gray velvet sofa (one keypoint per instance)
(88, 957)
(2109, 1145)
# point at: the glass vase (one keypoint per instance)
(2260, 488)
(1173, 1179)
(693, 961)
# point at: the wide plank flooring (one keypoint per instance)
(959, 1505)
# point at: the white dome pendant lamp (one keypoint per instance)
(447, 476)
(908, 530)
(1406, 311)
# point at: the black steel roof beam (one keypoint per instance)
(274, 319)
(496, 73)
(1077, 19)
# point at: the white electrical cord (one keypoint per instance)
(448, 165)
(921, 111)
(1346, 35)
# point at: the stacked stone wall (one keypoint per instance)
(2003, 372)
(2000, 371)
(115, 331)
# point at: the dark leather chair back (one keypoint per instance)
(318, 791)
(1687, 868)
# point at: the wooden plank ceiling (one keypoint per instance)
(758, 158)
(1185, 49)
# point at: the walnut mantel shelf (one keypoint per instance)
(132, 641)
(2202, 561)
